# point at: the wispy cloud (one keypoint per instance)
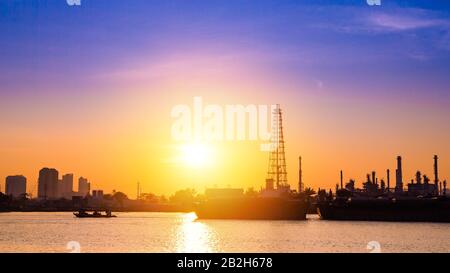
(391, 22)
(354, 20)
(418, 56)
(415, 22)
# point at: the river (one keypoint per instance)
(182, 232)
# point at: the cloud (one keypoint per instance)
(397, 22)
(354, 20)
(418, 56)
(415, 21)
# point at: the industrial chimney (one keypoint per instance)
(399, 175)
(388, 179)
(342, 180)
(436, 175)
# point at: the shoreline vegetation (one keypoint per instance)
(181, 201)
(69, 208)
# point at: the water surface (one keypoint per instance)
(181, 232)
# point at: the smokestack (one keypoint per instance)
(399, 175)
(388, 179)
(300, 182)
(373, 178)
(436, 174)
(342, 180)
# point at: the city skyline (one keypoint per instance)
(48, 186)
(357, 89)
(64, 187)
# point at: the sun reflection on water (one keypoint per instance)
(194, 236)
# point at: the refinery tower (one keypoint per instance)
(276, 182)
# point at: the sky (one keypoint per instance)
(89, 89)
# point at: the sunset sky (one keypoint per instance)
(89, 89)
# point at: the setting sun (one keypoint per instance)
(196, 154)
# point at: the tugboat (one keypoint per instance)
(82, 213)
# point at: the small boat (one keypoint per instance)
(95, 214)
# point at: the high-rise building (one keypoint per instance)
(84, 187)
(97, 194)
(66, 186)
(60, 189)
(48, 183)
(16, 185)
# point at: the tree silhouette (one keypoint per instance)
(119, 197)
(251, 192)
(309, 192)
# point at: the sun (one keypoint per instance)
(196, 154)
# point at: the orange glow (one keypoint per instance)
(122, 135)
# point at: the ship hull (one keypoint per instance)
(252, 209)
(432, 210)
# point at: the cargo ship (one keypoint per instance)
(436, 209)
(422, 201)
(220, 205)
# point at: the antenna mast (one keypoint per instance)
(277, 158)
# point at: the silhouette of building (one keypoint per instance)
(16, 185)
(422, 186)
(48, 183)
(350, 186)
(97, 194)
(66, 186)
(84, 187)
(371, 184)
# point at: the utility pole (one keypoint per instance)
(138, 194)
(300, 179)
